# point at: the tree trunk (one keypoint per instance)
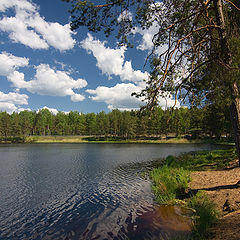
(234, 112)
(235, 117)
(226, 58)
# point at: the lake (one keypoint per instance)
(79, 191)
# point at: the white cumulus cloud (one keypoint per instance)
(117, 97)
(48, 81)
(147, 36)
(8, 63)
(29, 28)
(17, 78)
(112, 61)
(8, 101)
(53, 83)
(8, 107)
(20, 4)
(14, 98)
(77, 97)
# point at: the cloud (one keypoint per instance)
(9, 101)
(125, 16)
(29, 28)
(17, 78)
(14, 98)
(53, 83)
(52, 110)
(55, 34)
(20, 4)
(8, 63)
(112, 61)
(19, 33)
(166, 101)
(147, 36)
(48, 81)
(155, 15)
(8, 107)
(23, 109)
(117, 97)
(77, 97)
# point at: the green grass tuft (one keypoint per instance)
(169, 183)
(206, 214)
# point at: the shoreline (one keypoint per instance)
(111, 140)
(207, 182)
(222, 189)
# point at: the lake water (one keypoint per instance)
(79, 191)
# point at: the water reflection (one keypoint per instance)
(158, 222)
(79, 191)
(149, 222)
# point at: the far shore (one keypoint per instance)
(111, 139)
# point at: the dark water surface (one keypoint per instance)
(81, 191)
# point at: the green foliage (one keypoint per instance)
(194, 42)
(170, 161)
(206, 214)
(126, 125)
(205, 160)
(31, 139)
(18, 139)
(169, 183)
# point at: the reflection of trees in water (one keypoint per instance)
(164, 222)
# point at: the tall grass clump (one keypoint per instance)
(169, 183)
(206, 214)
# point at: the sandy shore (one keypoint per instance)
(222, 188)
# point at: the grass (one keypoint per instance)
(106, 139)
(206, 160)
(170, 184)
(206, 214)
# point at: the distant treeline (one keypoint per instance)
(195, 122)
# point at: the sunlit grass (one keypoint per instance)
(169, 183)
(99, 139)
(203, 160)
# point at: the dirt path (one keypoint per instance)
(222, 189)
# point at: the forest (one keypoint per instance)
(194, 122)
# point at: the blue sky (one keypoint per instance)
(43, 64)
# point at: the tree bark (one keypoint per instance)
(226, 58)
(234, 113)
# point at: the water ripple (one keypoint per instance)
(78, 191)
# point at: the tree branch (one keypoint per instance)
(233, 4)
